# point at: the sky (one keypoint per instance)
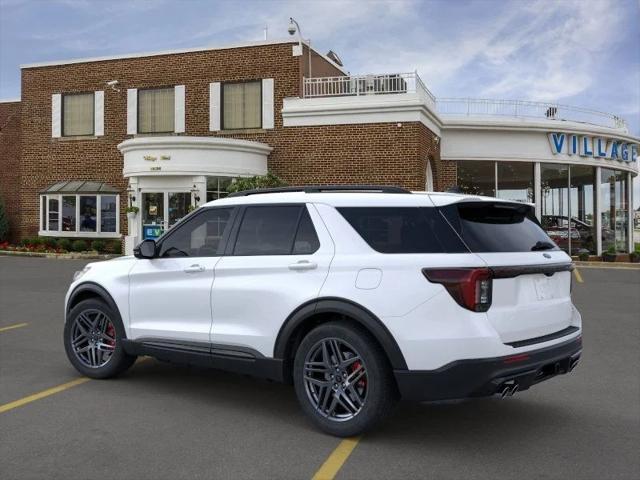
(584, 52)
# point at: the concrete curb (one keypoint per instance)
(614, 265)
(60, 256)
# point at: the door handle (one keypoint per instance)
(303, 265)
(194, 269)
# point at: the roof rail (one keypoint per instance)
(322, 188)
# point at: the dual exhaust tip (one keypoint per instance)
(508, 389)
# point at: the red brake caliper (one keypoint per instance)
(112, 333)
(363, 381)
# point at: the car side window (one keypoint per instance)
(267, 230)
(200, 236)
(306, 241)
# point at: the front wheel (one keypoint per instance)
(342, 379)
(93, 336)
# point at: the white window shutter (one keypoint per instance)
(98, 113)
(132, 111)
(56, 115)
(268, 112)
(178, 122)
(214, 106)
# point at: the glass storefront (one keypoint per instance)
(554, 196)
(477, 177)
(515, 181)
(567, 199)
(614, 193)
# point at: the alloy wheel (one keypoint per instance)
(93, 338)
(335, 379)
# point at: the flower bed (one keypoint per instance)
(43, 245)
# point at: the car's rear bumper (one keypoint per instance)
(489, 376)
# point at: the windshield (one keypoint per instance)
(497, 227)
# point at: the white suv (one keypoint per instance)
(356, 295)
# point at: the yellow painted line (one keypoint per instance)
(333, 464)
(578, 276)
(43, 394)
(11, 327)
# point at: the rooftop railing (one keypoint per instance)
(399, 83)
(527, 109)
(357, 85)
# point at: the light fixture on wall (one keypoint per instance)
(132, 197)
(293, 28)
(112, 84)
(195, 192)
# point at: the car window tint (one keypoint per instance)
(403, 229)
(267, 230)
(306, 239)
(199, 236)
(498, 227)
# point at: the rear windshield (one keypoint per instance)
(403, 229)
(498, 227)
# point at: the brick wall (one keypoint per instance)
(365, 153)
(10, 162)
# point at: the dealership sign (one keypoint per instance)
(597, 147)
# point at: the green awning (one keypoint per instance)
(80, 186)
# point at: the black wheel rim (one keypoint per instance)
(93, 338)
(335, 379)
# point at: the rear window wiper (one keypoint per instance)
(542, 246)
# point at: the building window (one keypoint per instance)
(75, 215)
(108, 213)
(156, 110)
(217, 187)
(69, 213)
(477, 177)
(88, 213)
(515, 181)
(614, 194)
(583, 208)
(554, 180)
(78, 114)
(242, 105)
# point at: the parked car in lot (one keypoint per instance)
(356, 295)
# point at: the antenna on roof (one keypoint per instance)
(266, 32)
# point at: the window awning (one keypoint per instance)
(79, 187)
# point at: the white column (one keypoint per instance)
(132, 111)
(214, 106)
(98, 113)
(537, 188)
(598, 219)
(56, 115)
(179, 101)
(630, 212)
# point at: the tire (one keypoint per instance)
(363, 399)
(98, 332)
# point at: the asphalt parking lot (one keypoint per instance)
(161, 421)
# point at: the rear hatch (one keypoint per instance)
(531, 294)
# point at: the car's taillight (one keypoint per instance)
(470, 287)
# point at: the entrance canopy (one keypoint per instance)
(80, 186)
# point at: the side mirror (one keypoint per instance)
(145, 249)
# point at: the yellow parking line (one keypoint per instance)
(45, 393)
(334, 463)
(11, 327)
(578, 276)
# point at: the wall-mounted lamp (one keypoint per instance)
(132, 197)
(195, 192)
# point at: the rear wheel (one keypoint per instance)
(342, 379)
(93, 336)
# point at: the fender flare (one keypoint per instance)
(345, 307)
(96, 290)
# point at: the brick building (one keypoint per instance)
(167, 131)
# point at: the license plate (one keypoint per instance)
(544, 288)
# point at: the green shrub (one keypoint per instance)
(113, 247)
(64, 244)
(259, 181)
(48, 242)
(26, 241)
(98, 245)
(583, 256)
(4, 223)
(79, 246)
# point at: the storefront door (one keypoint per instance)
(162, 210)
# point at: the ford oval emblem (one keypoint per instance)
(546, 255)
